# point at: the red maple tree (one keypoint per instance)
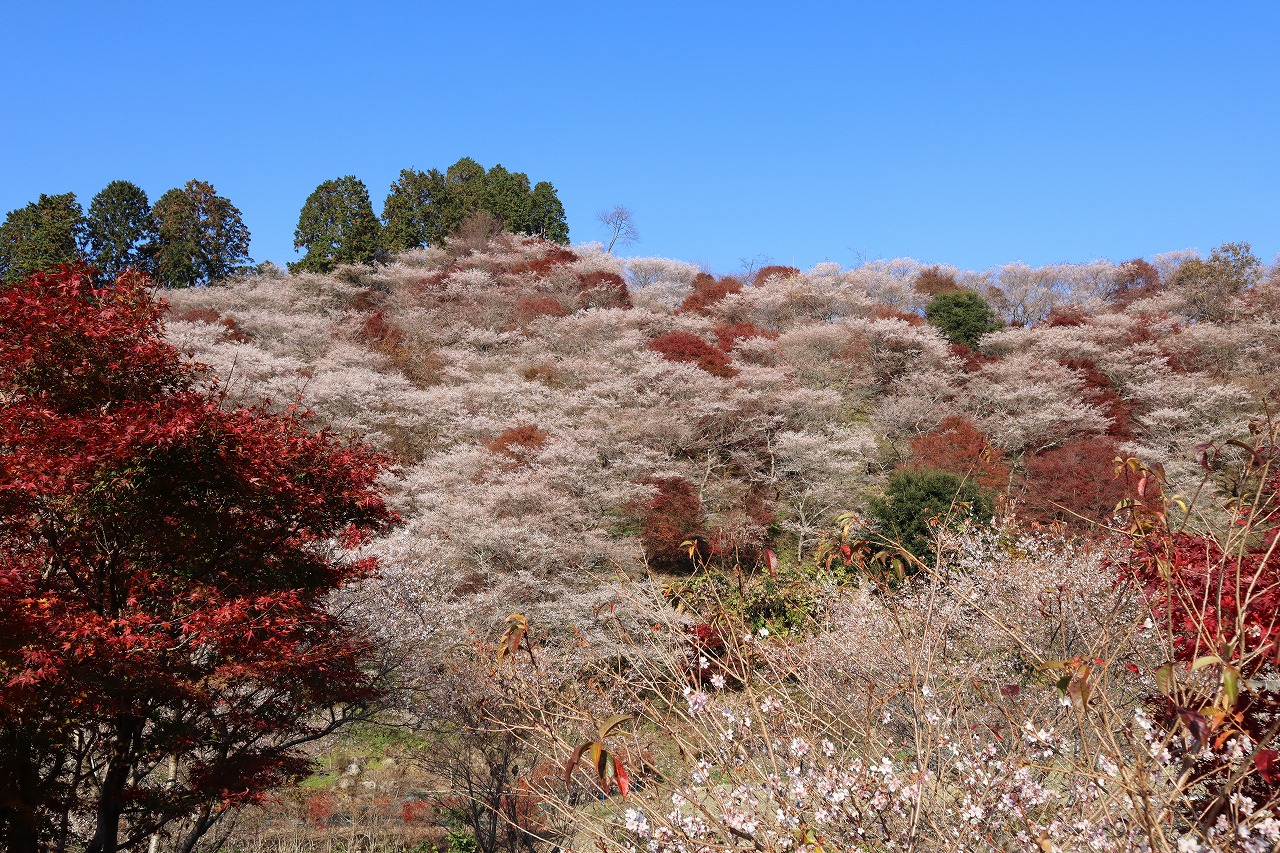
(165, 563)
(1215, 599)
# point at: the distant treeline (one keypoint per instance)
(193, 235)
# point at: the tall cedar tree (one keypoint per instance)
(508, 197)
(423, 208)
(201, 236)
(165, 560)
(41, 236)
(411, 213)
(336, 226)
(121, 231)
(465, 193)
(547, 216)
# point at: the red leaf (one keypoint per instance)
(1267, 767)
(620, 773)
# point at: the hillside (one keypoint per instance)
(546, 407)
(898, 555)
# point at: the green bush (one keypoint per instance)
(962, 316)
(913, 497)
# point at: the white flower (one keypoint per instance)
(1245, 804)
(636, 822)
(717, 681)
(1189, 844)
(764, 632)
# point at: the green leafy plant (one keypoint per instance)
(962, 316)
(916, 501)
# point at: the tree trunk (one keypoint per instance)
(106, 835)
(19, 826)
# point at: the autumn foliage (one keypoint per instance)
(691, 349)
(165, 560)
(600, 289)
(1073, 483)
(707, 291)
(1216, 599)
(670, 518)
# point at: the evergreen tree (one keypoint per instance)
(201, 236)
(464, 193)
(546, 218)
(917, 498)
(508, 197)
(411, 215)
(423, 208)
(41, 236)
(962, 316)
(121, 231)
(336, 226)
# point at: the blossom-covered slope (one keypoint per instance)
(559, 415)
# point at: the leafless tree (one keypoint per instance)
(621, 225)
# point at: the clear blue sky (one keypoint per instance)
(967, 133)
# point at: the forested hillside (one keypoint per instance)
(893, 555)
(940, 542)
(556, 414)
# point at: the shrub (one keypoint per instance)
(672, 516)
(958, 447)
(541, 266)
(1135, 279)
(728, 334)
(1214, 599)
(774, 271)
(934, 281)
(963, 317)
(1064, 315)
(707, 292)
(518, 441)
(691, 349)
(919, 500)
(530, 308)
(601, 289)
(1074, 483)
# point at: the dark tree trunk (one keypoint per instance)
(106, 836)
(19, 799)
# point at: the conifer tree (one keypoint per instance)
(464, 193)
(423, 208)
(201, 236)
(40, 236)
(412, 211)
(508, 197)
(962, 315)
(336, 226)
(547, 219)
(121, 231)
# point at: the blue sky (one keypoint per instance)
(965, 133)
